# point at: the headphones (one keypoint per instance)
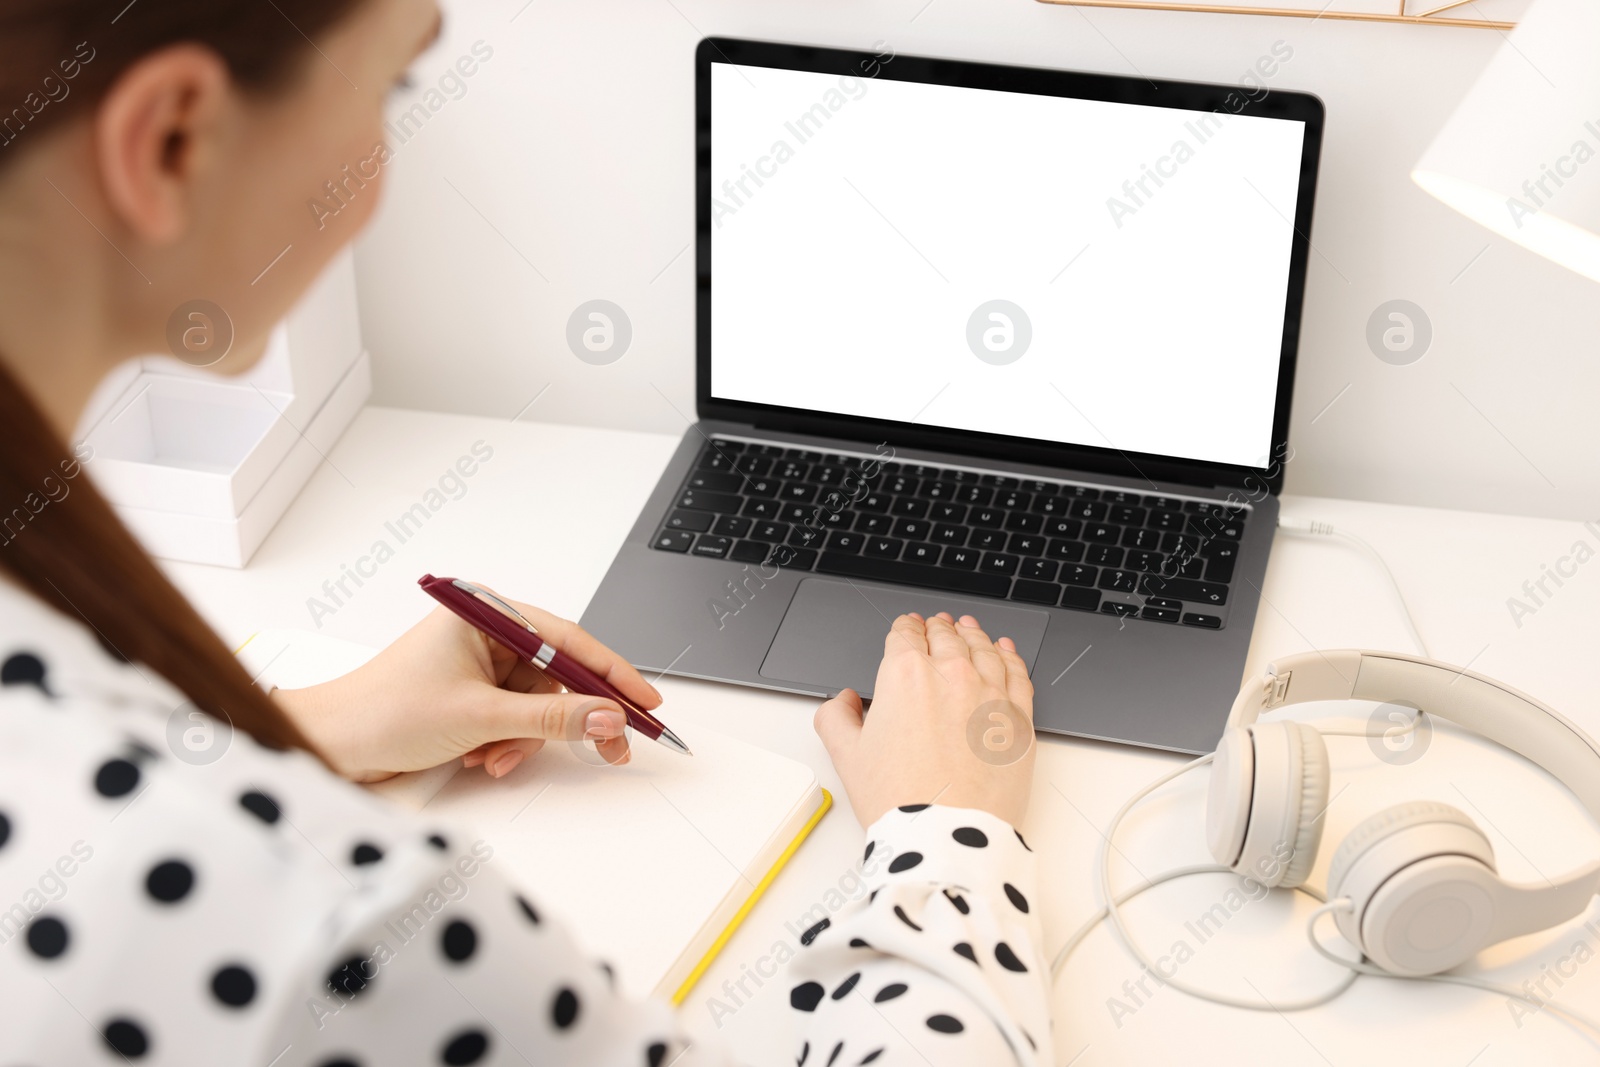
(1420, 880)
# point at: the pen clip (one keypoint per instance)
(477, 591)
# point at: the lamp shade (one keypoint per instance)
(1521, 154)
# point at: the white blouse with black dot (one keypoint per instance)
(173, 894)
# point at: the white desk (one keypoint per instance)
(534, 521)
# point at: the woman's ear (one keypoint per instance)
(156, 133)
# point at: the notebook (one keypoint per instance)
(652, 865)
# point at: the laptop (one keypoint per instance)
(1008, 342)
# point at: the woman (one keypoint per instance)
(159, 912)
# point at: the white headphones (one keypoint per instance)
(1420, 878)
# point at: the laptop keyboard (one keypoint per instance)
(960, 530)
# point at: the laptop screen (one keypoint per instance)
(1067, 270)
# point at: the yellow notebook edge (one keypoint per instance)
(682, 992)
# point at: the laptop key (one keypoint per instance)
(718, 481)
(999, 481)
(806, 537)
(884, 547)
(963, 558)
(1210, 622)
(998, 563)
(673, 540)
(921, 553)
(797, 492)
(1119, 581)
(1116, 607)
(1166, 520)
(1127, 516)
(1080, 492)
(1184, 589)
(888, 570)
(1159, 614)
(761, 509)
(712, 546)
(845, 541)
(1040, 570)
(1051, 505)
(1071, 551)
(909, 505)
(697, 521)
(874, 502)
(1104, 556)
(749, 552)
(1035, 592)
(763, 486)
(1119, 496)
(752, 465)
(790, 470)
(937, 490)
(988, 540)
(703, 500)
(1148, 562)
(1025, 545)
(1163, 602)
(1059, 527)
(948, 513)
(991, 517)
(829, 476)
(730, 525)
(913, 529)
(972, 493)
(1165, 503)
(1102, 533)
(1013, 500)
(1024, 522)
(1141, 537)
(949, 534)
(1080, 599)
(803, 513)
(773, 532)
(1089, 510)
(723, 444)
(873, 524)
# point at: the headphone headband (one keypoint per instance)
(1491, 709)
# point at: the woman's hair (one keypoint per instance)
(63, 542)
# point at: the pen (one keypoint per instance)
(503, 623)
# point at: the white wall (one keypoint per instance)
(564, 174)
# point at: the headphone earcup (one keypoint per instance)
(1315, 783)
(1269, 789)
(1421, 882)
(1228, 798)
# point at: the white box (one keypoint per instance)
(201, 466)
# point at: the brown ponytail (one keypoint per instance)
(74, 554)
(57, 56)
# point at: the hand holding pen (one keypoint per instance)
(510, 627)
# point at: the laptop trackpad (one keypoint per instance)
(832, 635)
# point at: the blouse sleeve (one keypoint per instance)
(942, 963)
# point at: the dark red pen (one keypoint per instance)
(503, 623)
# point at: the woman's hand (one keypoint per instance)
(951, 723)
(445, 690)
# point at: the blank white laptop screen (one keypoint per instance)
(1064, 270)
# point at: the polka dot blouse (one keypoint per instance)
(256, 910)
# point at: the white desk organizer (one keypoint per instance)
(201, 465)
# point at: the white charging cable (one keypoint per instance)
(1316, 527)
